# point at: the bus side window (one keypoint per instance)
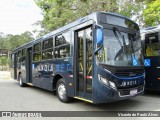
(47, 49)
(62, 45)
(37, 52)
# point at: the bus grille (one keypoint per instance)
(126, 92)
(129, 72)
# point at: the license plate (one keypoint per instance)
(133, 92)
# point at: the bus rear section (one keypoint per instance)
(151, 45)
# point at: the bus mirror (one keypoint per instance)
(99, 36)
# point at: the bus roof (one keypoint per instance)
(150, 29)
(91, 16)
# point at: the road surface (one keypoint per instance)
(15, 98)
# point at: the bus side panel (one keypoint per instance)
(152, 77)
(44, 72)
(43, 75)
(36, 74)
(64, 68)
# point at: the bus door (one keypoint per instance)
(29, 65)
(83, 61)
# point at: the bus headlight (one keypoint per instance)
(113, 85)
(103, 80)
(107, 82)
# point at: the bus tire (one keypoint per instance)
(61, 91)
(21, 84)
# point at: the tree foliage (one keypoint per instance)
(13, 41)
(57, 13)
(152, 13)
(4, 62)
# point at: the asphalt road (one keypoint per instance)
(15, 98)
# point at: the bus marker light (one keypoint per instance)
(70, 84)
(89, 77)
(70, 76)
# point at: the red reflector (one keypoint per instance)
(70, 76)
(89, 77)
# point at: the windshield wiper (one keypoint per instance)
(115, 33)
(123, 47)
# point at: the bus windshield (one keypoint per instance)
(121, 51)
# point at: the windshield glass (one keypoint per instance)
(124, 51)
(152, 49)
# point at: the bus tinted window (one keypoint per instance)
(62, 51)
(23, 52)
(47, 54)
(37, 56)
(37, 52)
(62, 45)
(151, 38)
(119, 21)
(62, 39)
(37, 47)
(153, 50)
(47, 44)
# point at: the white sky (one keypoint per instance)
(17, 16)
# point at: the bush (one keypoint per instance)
(4, 63)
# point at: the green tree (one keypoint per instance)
(57, 13)
(152, 13)
(2, 42)
(14, 41)
(4, 61)
(132, 9)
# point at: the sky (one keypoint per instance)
(18, 16)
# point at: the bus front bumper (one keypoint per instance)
(110, 95)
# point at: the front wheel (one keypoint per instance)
(21, 84)
(61, 91)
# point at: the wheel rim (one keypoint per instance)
(20, 81)
(62, 91)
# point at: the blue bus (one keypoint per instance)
(97, 59)
(151, 43)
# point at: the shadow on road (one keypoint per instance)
(152, 93)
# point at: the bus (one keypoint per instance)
(97, 59)
(151, 45)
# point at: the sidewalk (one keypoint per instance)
(5, 75)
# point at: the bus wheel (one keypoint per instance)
(21, 84)
(61, 91)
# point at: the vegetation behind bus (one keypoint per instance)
(64, 12)
(10, 42)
